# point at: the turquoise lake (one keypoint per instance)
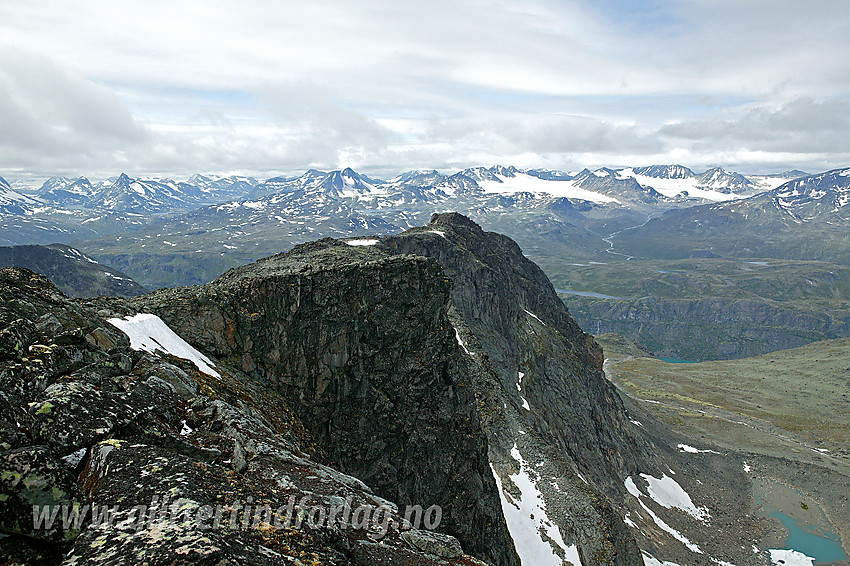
(823, 547)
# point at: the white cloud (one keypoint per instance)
(178, 86)
(50, 115)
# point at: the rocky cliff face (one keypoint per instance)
(539, 381)
(132, 457)
(511, 308)
(711, 328)
(436, 367)
(359, 344)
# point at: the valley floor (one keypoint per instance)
(783, 416)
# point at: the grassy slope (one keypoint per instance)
(745, 308)
(816, 283)
(793, 400)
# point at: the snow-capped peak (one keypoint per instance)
(665, 171)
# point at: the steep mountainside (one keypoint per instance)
(564, 449)
(438, 367)
(538, 379)
(75, 273)
(499, 293)
(359, 345)
(805, 219)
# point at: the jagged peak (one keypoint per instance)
(123, 179)
(504, 171)
(672, 171)
(453, 220)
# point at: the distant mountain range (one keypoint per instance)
(15, 203)
(167, 232)
(137, 195)
(803, 219)
(125, 194)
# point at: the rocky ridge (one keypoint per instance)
(75, 273)
(436, 367)
(539, 381)
(91, 424)
(358, 343)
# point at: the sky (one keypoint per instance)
(262, 87)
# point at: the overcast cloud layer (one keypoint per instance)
(97, 87)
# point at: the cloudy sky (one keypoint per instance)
(172, 87)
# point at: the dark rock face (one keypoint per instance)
(711, 328)
(499, 292)
(76, 274)
(358, 342)
(536, 369)
(31, 476)
(426, 369)
(129, 456)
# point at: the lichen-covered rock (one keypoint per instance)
(202, 513)
(37, 493)
(71, 414)
(433, 543)
(16, 338)
(183, 385)
(359, 344)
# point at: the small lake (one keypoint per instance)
(817, 543)
(809, 529)
(677, 361)
(589, 294)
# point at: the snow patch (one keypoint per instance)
(149, 333)
(669, 494)
(674, 187)
(527, 520)
(692, 450)
(523, 183)
(525, 405)
(537, 318)
(361, 242)
(438, 232)
(652, 561)
(634, 491)
(782, 557)
(460, 342)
